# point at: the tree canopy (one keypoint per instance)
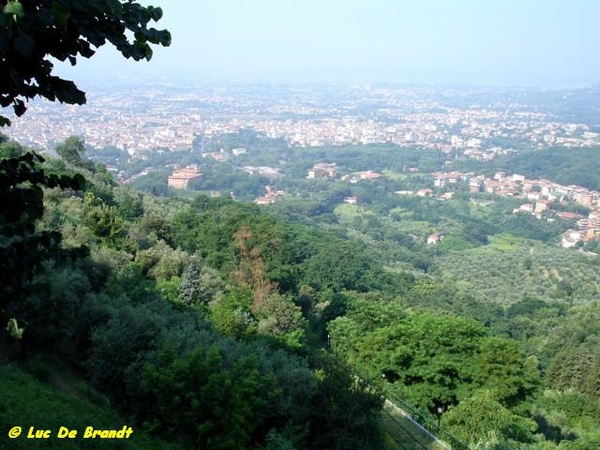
(34, 31)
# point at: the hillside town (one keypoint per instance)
(540, 196)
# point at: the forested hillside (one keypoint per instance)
(215, 323)
(192, 318)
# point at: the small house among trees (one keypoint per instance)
(322, 171)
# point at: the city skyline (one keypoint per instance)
(542, 43)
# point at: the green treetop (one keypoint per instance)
(34, 31)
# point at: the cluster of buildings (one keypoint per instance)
(540, 191)
(320, 171)
(120, 123)
(173, 118)
(328, 171)
(475, 134)
(539, 195)
(223, 155)
(587, 228)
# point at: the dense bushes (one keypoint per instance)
(217, 315)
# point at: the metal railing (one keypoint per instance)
(427, 420)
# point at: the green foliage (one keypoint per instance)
(577, 367)
(283, 255)
(51, 311)
(275, 441)
(190, 314)
(432, 360)
(189, 289)
(345, 268)
(228, 178)
(102, 219)
(207, 389)
(377, 157)
(568, 418)
(213, 404)
(129, 203)
(199, 287)
(10, 149)
(153, 226)
(34, 32)
(529, 227)
(72, 150)
(125, 339)
(208, 226)
(482, 418)
(345, 411)
(129, 281)
(154, 183)
(503, 370)
(23, 247)
(585, 442)
(67, 402)
(160, 262)
(509, 270)
(278, 316)
(230, 314)
(169, 289)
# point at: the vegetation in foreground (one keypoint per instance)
(206, 322)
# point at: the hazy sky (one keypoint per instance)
(528, 42)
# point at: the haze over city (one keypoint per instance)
(547, 43)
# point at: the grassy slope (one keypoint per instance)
(65, 401)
